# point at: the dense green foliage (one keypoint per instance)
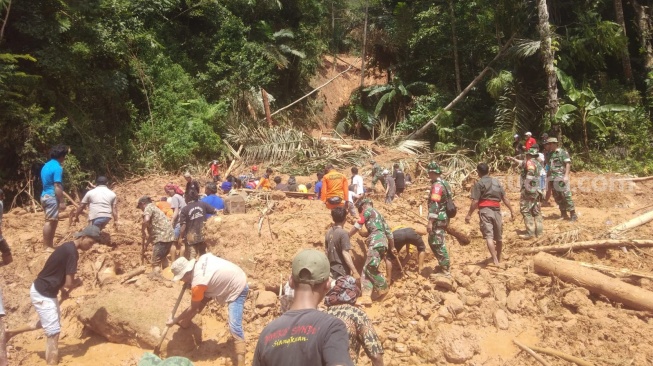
(135, 85)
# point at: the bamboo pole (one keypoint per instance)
(618, 271)
(569, 271)
(593, 244)
(528, 350)
(564, 356)
(632, 223)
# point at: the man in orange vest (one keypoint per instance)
(335, 191)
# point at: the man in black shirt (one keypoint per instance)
(405, 236)
(400, 180)
(190, 184)
(58, 274)
(337, 246)
(304, 335)
(192, 222)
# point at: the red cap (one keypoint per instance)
(254, 168)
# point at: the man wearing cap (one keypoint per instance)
(209, 278)
(4, 247)
(438, 219)
(192, 219)
(52, 199)
(531, 195)
(390, 187)
(335, 188)
(487, 195)
(379, 241)
(304, 335)
(156, 229)
(190, 184)
(559, 168)
(530, 141)
(377, 174)
(102, 205)
(341, 303)
(58, 274)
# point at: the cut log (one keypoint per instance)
(593, 244)
(597, 283)
(633, 223)
(129, 275)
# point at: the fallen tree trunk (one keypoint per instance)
(460, 236)
(593, 244)
(598, 283)
(633, 223)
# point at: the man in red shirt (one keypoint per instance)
(215, 171)
(530, 141)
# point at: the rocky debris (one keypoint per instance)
(453, 304)
(266, 299)
(277, 196)
(459, 345)
(500, 319)
(577, 299)
(401, 348)
(443, 282)
(515, 301)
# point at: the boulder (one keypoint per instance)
(128, 315)
(446, 283)
(576, 299)
(459, 346)
(515, 301)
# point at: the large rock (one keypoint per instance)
(459, 346)
(515, 301)
(266, 299)
(127, 315)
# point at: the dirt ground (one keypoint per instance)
(472, 323)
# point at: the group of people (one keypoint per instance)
(328, 276)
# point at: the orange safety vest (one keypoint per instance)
(334, 184)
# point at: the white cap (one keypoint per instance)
(528, 134)
(516, 136)
(385, 171)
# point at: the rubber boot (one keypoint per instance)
(563, 215)
(573, 217)
(530, 227)
(52, 350)
(420, 261)
(539, 225)
(239, 347)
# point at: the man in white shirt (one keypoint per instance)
(102, 205)
(356, 190)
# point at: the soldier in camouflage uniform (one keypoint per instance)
(149, 359)
(156, 228)
(559, 163)
(438, 220)
(377, 174)
(379, 240)
(531, 195)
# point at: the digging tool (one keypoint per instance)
(157, 349)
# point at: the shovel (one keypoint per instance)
(157, 349)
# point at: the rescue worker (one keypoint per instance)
(377, 174)
(559, 168)
(335, 188)
(438, 219)
(531, 195)
(379, 239)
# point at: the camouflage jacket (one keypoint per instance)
(377, 227)
(556, 162)
(437, 202)
(376, 170)
(530, 177)
(162, 231)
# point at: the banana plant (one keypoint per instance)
(585, 108)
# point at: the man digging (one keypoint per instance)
(58, 274)
(212, 277)
(102, 205)
(157, 229)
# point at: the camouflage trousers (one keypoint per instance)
(562, 195)
(150, 359)
(378, 178)
(532, 213)
(372, 277)
(436, 242)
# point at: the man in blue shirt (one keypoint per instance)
(211, 198)
(52, 198)
(318, 185)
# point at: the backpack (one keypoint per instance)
(451, 208)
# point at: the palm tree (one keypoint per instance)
(397, 95)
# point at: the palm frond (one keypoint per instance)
(524, 48)
(413, 146)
